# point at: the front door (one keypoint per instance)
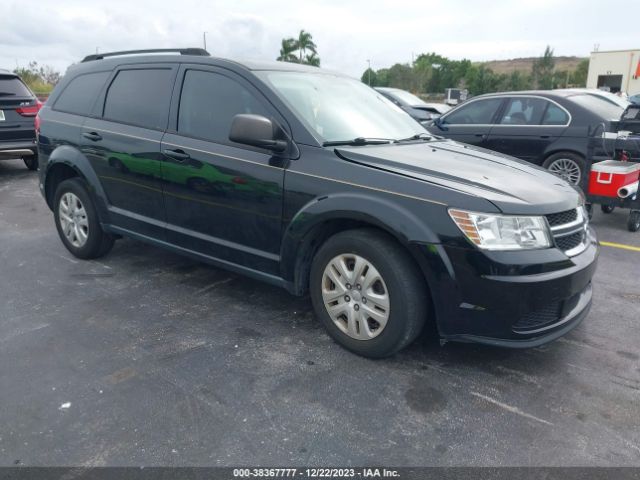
(223, 200)
(471, 122)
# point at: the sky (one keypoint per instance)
(347, 32)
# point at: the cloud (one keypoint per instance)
(60, 32)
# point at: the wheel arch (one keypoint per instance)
(323, 218)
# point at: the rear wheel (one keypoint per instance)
(77, 221)
(368, 292)
(31, 162)
(567, 165)
(633, 223)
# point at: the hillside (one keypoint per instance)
(525, 64)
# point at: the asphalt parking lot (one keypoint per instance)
(148, 358)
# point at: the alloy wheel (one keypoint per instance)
(567, 169)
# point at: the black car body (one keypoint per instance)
(547, 128)
(18, 108)
(417, 108)
(274, 196)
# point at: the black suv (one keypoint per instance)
(18, 108)
(312, 181)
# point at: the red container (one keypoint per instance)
(610, 175)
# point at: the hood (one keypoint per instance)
(512, 185)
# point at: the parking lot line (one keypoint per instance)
(620, 245)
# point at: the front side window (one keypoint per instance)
(140, 97)
(524, 111)
(79, 96)
(208, 103)
(338, 108)
(478, 112)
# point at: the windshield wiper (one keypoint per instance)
(6, 94)
(417, 136)
(359, 141)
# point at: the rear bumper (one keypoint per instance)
(12, 150)
(510, 299)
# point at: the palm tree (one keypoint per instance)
(305, 42)
(295, 50)
(289, 46)
(312, 59)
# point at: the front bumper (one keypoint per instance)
(509, 299)
(14, 150)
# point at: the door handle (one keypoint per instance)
(93, 136)
(545, 136)
(481, 135)
(179, 155)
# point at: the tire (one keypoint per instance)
(607, 208)
(31, 162)
(398, 278)
(86, 238)
(633, 223)
(567, 165)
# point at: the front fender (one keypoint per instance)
(398, 220)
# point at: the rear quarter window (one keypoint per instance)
(80, 94)
(598, 106)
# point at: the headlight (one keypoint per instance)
(502, 232)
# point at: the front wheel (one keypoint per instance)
(368, 292)
(77, 221)
(633, 224)
(567, 165)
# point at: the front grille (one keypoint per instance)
(568, 229)
(562, 218)
(569, 242)
(545, 315)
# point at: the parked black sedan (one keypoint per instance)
(417, 108)
(548, 128)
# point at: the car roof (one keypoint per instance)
(538, 93)
(252, 65)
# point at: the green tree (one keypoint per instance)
(299, 50)
(578, 77)
(39, 78)
(288, 50)
(542, 71)
(370, 77)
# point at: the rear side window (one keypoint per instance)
(11, 86)
(523, 111)
(208, 103)
(140, 97)
(555, 116)
(79, 96)
(479, 112)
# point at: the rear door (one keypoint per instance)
(527, 126)
(17, 111)
(222, 199)
(122, 142)
(470, 123)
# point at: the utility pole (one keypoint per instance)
(204, 39)
(369, 70)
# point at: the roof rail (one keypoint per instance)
(201, 52)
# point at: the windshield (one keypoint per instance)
(406, 97)
(599, 106)
(339, 108)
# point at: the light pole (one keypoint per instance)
(204, 39)
(369, 71)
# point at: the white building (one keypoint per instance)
(616, 69)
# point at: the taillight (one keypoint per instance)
(36, 123)
(31, 110)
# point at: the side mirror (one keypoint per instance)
(440, 124)
(257, 131)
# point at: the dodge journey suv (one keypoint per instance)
(310, 180)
